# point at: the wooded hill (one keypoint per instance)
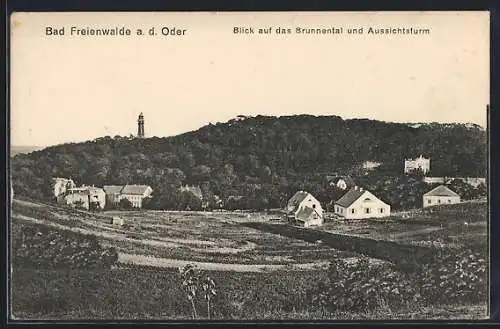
(264, 159)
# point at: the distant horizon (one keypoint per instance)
(245, 115)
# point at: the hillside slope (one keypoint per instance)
(266, 156)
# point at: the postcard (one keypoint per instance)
(249, 166)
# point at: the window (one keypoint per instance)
(381, 210)
(314, 206)
(367, 210)
(439, 200)
(352, 211)
(429, 201)
(449, 200)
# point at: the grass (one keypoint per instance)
(463, 224)
(132, 292)
(187, 235)
(141, 293)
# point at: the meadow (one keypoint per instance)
(272, 251)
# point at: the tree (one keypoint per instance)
(287, 153)
(126, 204)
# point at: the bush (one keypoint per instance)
(451, 277)
(363, 287)
(454, 277)
(41, 247)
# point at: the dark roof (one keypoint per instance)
(78, 190)
(348, 199)
(297, 198)
(112, 189)
(441, 190)
(94, 190)
(134, 189)
(305, 213)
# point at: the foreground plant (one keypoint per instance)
(193, 281)
(208, 286)
(189, 279)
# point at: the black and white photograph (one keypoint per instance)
(251, 166)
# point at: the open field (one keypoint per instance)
(255, 261)
(186, 236)
(255, 240)
(464, 224)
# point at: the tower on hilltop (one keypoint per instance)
(140, 126)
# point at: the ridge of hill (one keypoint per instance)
(263, 156)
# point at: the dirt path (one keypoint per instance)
(145, 260)
(28, 203)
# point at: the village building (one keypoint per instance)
(86, 197)
(113, 193)
(133, 193)
(370, 165)
(358, 203)
(61, 185)
(136, 194)
(342, 182)
(194, 190)
(97, 197)
(305, 210)
(440, 195)
(420, 163)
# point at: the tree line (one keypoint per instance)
(258, 162)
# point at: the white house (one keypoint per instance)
(86, 197)
(358, 203)
(136, 194)
(419, 163)
(61, 185)
(305, 210)
(97, 197)
(440, 195)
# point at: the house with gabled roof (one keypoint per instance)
(136, 194)
(440, 195)
(304, 209)
(359, 203)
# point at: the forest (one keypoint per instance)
(259, 162)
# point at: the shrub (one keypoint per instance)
(460, 276)
(362, 286)
(450, 277)
(42, 247)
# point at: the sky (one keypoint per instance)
(69, 88)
